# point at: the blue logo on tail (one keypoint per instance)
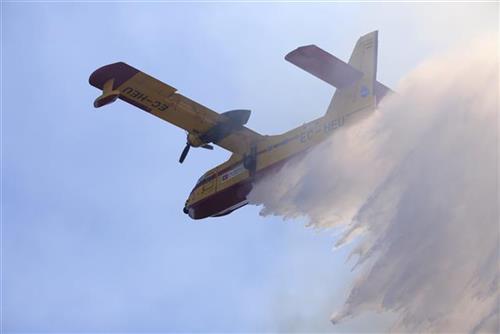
(364, 92)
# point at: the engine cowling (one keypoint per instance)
(194, 140)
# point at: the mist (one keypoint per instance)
(412, 188)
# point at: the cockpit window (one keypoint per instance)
(203, 178)
(200, 179)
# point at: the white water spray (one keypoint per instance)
(415, 185)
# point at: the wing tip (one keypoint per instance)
(119, 71)
(304, 50)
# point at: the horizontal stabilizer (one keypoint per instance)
(331, 69)
(381, 90)
(324, 66)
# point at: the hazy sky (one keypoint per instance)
(94, 237)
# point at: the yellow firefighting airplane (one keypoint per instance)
(224, 188)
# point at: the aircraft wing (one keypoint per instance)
(120, 80)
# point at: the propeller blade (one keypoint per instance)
(207, 146)
(184, 153)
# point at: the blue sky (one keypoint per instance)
(94, 238)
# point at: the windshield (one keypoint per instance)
(203, 178)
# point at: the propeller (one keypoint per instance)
(232, 121)
(185, 151)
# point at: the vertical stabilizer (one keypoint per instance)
(360, 94)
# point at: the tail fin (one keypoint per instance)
(361, 94)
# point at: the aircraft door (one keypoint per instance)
(250, 160)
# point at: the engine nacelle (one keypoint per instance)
(194, 140)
